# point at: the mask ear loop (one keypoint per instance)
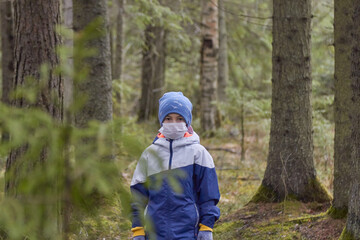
(190, 130)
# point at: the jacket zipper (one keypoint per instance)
(170, 160)
(171, 153)
(197, 216)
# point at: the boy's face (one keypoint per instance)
(173, 118)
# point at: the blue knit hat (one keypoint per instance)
(175, 102)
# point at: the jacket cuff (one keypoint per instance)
(205, 228)
(138, 231)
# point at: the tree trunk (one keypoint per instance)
(35, 41)
(290, 171)
(68, 81)
(342, 143)
(223, 57)
(118, 52)
(98, 84)
(153, 71)
(119, 39)
(208, 72)
(7, 48)
(352, 227)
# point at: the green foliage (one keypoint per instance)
(144, 13)
(322, 49)
(249, 43)
(62, 169)
(42, 186)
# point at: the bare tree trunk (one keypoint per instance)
(242, 130)
(68, 81)
(119, 39)
(7, 52)
(35, 41)
(111, 39)
(352, 228)
(343, 164)
(7, 48)
(98, 84)
(290, 171)
(119, 52)
(209, 73)
(153, 71)
(223, 56)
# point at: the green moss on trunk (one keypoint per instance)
(314, 192)
(337, 213)
(345, 235)
(264, 194)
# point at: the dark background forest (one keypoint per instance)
(275, 89)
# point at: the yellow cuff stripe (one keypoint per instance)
(138, 231)
(205, 228)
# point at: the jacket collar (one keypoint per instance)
(188, 139)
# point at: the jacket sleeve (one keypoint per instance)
(207, 189)
(140, 195)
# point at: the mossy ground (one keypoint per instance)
(109, 223)
(286, 220)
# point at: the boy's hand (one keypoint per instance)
(139, 238)
(205, 235)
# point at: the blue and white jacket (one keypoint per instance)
(175, 184)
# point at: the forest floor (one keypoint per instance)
(288, 220)
(238, 182)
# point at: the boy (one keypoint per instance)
(175, 153)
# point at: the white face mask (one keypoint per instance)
(173, 130)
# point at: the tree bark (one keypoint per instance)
(209, 69)
(117, 71)
(342, 143)
(223, 57)
(352, 227)
(119, 39)
(290, 171)
(7, 49)
(98, 84)
(35, 41)
(153, 71)
(68, 80)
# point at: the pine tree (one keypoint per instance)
(352, 228)
(342, 143)
(153, 71)
(35, 42)
(223, 74)
(97, 87)
(290, 171)
(209, 69)
(7, 48)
